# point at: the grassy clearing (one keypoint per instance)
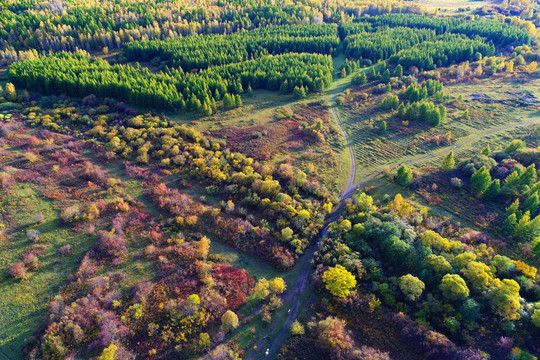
(258, 115)
(493, 104)
(380, 187)
(254, 266)
(23, 302)
(453, 6)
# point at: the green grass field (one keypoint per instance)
(259, 112)
(493, 103)
(23, 302)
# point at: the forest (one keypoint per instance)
(240, 179)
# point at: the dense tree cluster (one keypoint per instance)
(500, 33)
(424, 111)
(439, 24)
(200, 52)
(447, 49)
(110, 24)
(426, 42)
(79, 75)
(509, 182)
(384, 42)
(393, 253)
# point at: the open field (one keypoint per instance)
(500, 105)
(23, 303)
(453, 6)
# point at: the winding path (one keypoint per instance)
(293, 298)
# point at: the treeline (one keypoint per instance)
(92, 26)
(352, 28)
(199, 52)
(79, 75)
(439, 24)
(502, 34)
(446, 50)
(384, 42)
(426, 41)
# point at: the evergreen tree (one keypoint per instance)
(510, 223)
(404, 175)
(284, 88)
(493, 190)
(486, 151)
(513, 209)
(359, 79)
(398, 71)
(448, 162)
(529, 176)
(383, 127)
(206, 109)
(227, 101)
(299, 92)
(372, 74)
(531, 204)
(237, 101)
(386, 76)
(480, 181)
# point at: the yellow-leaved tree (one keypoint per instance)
(339, 281)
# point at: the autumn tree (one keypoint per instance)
(229, 320)
(505, 303)
(10, 93)
(438, 263)
(204, 247)
(535, 318)
(411, 286)
(109, 353)
(333, 335)
(278, 285)
(261, 289)
(454, 287)
(339, 281)
(478, 274)
(502, 264)
(297, 328)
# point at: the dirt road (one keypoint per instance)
(293, 297)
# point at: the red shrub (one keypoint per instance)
(235, 284)
(18, 270)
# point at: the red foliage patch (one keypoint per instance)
(235, 284)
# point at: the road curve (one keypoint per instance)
(293, 299)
